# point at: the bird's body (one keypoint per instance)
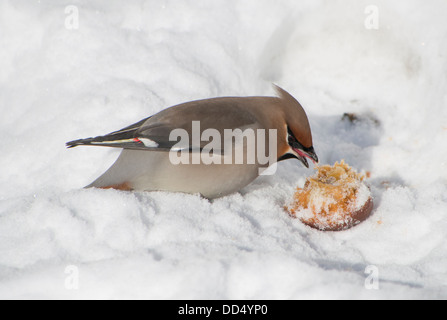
(154, 158)
(151, 171)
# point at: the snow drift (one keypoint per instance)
(120, 63)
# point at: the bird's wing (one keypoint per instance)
(157, 132)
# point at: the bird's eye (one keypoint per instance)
(290, 138)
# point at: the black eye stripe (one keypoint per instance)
(309, 150)
(293, 141)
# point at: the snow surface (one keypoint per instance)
(126, 62)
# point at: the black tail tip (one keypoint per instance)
(75, 143)
(70, 145)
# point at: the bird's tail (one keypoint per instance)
(124, 138)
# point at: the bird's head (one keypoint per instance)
(298, 151)
(297, 140)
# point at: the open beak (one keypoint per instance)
(303, 154)
(299, 151)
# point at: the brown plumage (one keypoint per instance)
(145, 162)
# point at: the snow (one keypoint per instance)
(61, 81)
(363, 195)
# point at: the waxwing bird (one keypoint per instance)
(213, 147)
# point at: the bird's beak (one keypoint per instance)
(303, 154)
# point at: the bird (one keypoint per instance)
(163, 152)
